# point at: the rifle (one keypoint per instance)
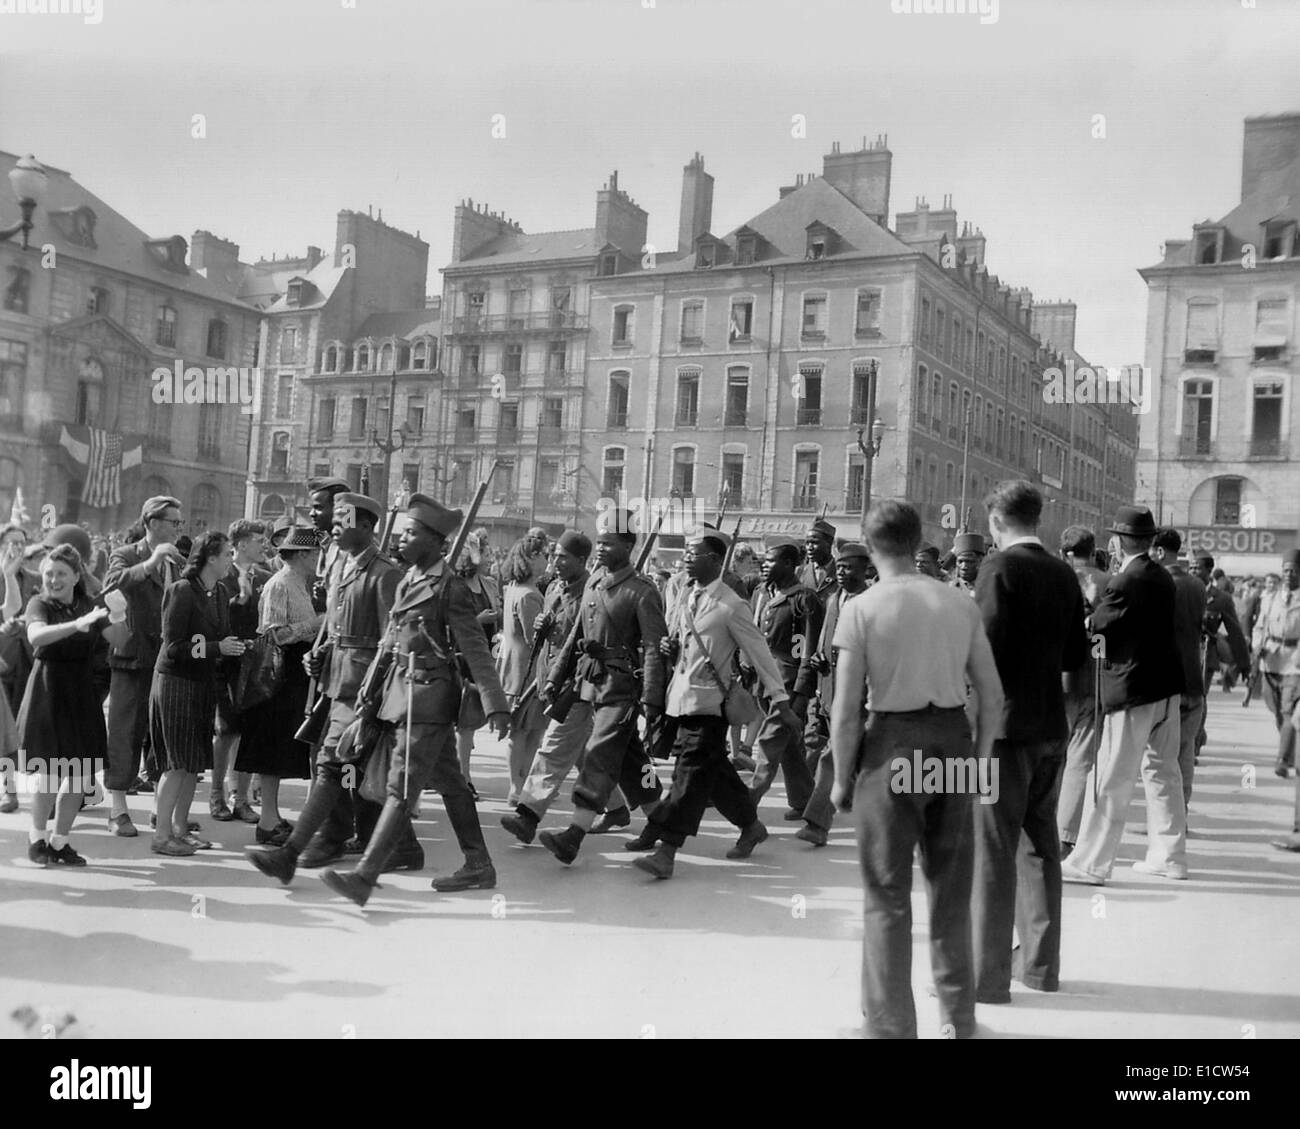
(650, 542)
(389, 522)
(731, 549)
(462, 534)
(722, 511)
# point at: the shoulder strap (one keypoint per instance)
(713, 670)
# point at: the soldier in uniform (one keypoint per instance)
(432, 619)
(927, 560)
(613, 651)
(1277, 643)
(818, 572)
(360, 602)
(851, 564)
(969, 550)
(790, 617)
(322, 492)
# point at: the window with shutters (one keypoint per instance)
(1202, 346)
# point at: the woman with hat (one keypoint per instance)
(196, 641)
(61, 720)
(521, 605)
(268, 745)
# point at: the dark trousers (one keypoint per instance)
(703, 774)
(615, 757)
(779, 747)
(434, 764)
(330, 808)
(128, 722)
(1018, 872)
(890, 823)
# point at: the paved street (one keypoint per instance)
(135, 945)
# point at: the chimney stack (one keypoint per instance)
(697, 205)
(1053, 323)
(619, 219)
(862, 176)
(211, 252)
(1271, 143)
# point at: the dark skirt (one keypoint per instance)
(60, 715)
(267, 743)
(181, 715)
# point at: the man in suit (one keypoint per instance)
(1082, 704)
(712, 623)
(818, 571)
(613, 653)
(1141, 686)
(790, 617)
(1033, 614)
(360, 601)
(431, 620)
(1190, 641)
(141, 571)
(851, 564)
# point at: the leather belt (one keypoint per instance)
(358, 642)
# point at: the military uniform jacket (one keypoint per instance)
(360, 599)
(1277, 632)
(820, 580)
(561, 602)
(961, 586)
(616, 640)
(434, 620)
(1221, 612)
(791, 622)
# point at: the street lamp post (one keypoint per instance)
(28, 179)
(872, 448)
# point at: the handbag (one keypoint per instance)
(261, 673)
(738, 704)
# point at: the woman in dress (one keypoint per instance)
(267, 744)
(521, 604)
(196, 643)
(61, 721)
(475, 568)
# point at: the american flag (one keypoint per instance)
(105, 455)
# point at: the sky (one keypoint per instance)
(313, 106)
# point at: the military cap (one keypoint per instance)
(782, 542)
(333, 485)
(968, 543)
(824, 527)
(853, 549)
(434, 515)
(360, 502)
(1203, 555)
(925, 549)
(1291, 557)
(716, 540)
(575, 544)
(617, 522)
(300, 538)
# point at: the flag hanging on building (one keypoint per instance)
(105, 455)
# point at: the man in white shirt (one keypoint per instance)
(916, 642)
(708, 626)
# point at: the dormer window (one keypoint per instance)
(608, 264)
(821, 241)
(97, 300)
(169, 253)
(1209, 245)
(362, 359)
(817, 247)
(1279, 239)
(294, 295)
(746, 249)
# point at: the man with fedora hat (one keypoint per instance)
(1141, 688)
(359, 606)
(141, 571)
(968, 549)
(432, 620)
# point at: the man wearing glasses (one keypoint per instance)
(141, 572)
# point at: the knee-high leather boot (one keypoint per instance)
(357, 885)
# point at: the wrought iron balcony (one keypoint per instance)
(804, 500)
(543, 322)
(808, 417)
